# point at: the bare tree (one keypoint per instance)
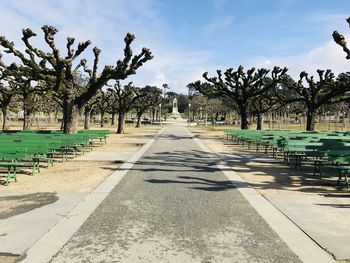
(240, 86)
(148, 96)
(6, 96)
(341, 41)
(60, 70)
(314, 94)
(125, 98)
(102, 103)
(262, 104)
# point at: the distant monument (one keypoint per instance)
(175, 109)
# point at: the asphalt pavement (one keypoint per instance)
(175, 205)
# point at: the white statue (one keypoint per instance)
(175, 110)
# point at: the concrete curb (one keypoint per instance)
(301, 244)
(45, 248)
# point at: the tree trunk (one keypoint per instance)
(153, 115)
(71, 113)
(259, 123)
(5, 121)
(87, 112)
(138, 125)
(113, 119)
(121, 122)
(244, 118)
(56, 116)
(310, 120)
(28, 118)
(28, 108)
(102, 119)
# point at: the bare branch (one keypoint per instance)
(96, 54)
(70, 51)
(341, 41)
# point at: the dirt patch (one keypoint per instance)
(8, 258)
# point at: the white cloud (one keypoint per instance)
(176, 67)
(105, 23)
(219, 4)
(326, 56)
(218, 23)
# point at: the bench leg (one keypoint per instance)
(274, 153)
(317, 168)
(339, 176)
(346, 180)
(33, 169)
(38, 165)
(11, 174)
(298, 161)
(286, 157)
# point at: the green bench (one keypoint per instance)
(11, 170)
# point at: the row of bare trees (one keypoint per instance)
(33, 74)
(258, 91)
(116, 100)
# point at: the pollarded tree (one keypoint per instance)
(262, 104)
(112, 107)
(26, 89)
(341, 41)
(241, 86)
(88, 107)
(30, 95)
(102, 98)
(148, 96)
(47, 104)
(314, 94)
(125, 98)
(60, 69)
(6, 96)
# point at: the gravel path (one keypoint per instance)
(175, 206)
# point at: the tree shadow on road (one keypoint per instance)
(197, 182)
(178, 161)
(201, 167)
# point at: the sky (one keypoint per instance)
(190, 37)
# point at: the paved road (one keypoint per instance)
(175, 206)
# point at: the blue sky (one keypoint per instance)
(190, 37)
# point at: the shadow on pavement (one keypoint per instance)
(180, 162)
(203, 184)
(19, 204)
(253, 165)
(177, 161)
